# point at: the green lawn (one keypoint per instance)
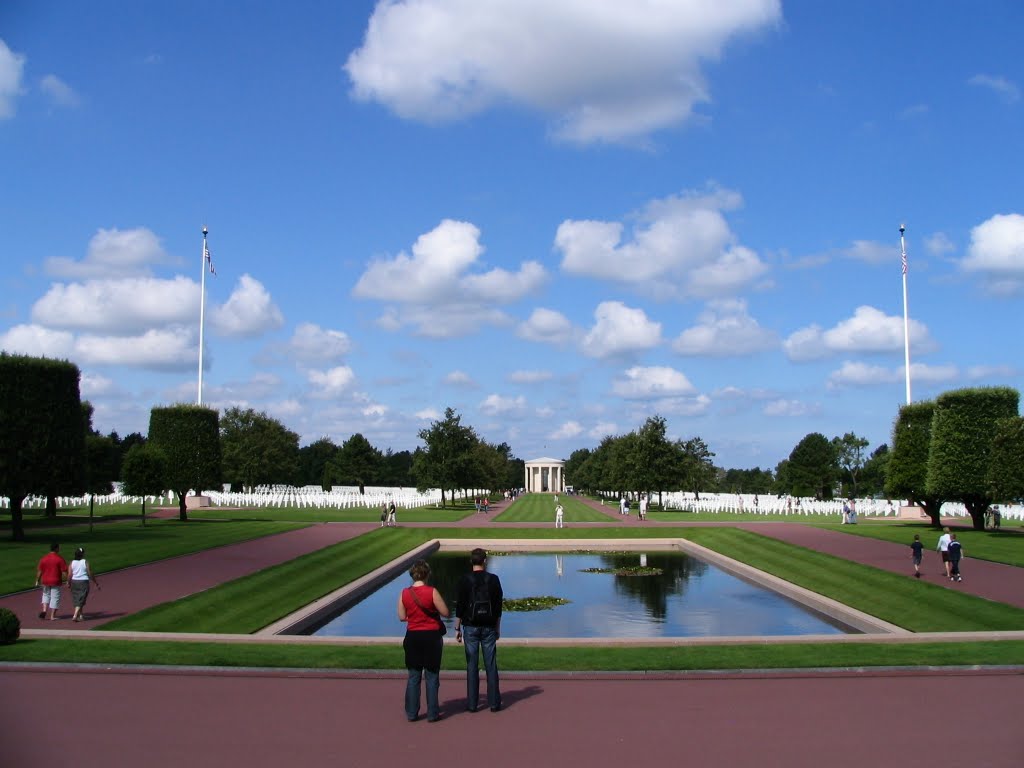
(1004, 546)
(540, 508)
(520, 658)
(333, 515)
(114, 545)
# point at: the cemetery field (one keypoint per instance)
(1003, 546)
(520, 658)
(540, 508)
(430, 514)
(114, 545)
(252, 602)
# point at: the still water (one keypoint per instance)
(690, 598)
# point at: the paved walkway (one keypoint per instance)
(255, 719)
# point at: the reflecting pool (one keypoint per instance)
(690, 598)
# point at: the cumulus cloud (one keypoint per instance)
(872, 252)
(678, 247)
(95, 385)
(546, 325)
(126, 306)
(529, 377)
(12, 66)
(459, 379)
(725, 329)
(60, 93)
(567, 431)
(634, 68)
(310, 343)
(648, 383)
(996, 253)
(495, 405)
(112, 253)
(620, 330)
(939, 244)
(172, 349)
(783, 407)
(436, 277)
(976, 372)
(1007, 90)
(39, 341)
(428, 414)
(857, 374)
(602, 429)
(869, 330)
(331, 383)
(248, 312)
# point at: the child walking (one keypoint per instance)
(916, 549)
(955, 553)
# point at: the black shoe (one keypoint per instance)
(433, 719)
(496, 709)
(917, 575)
(42, 614)
(471, 709)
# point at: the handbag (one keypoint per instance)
(442, 629)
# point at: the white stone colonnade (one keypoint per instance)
(545, 476)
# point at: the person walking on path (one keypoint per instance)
(392, 514)
(79, 582)
(559, 516)
(51, 574)
(383, 514)
(478, 623)
(916, 550)
(956, 551)
(943, 548)
(642, 509)
(421, 607)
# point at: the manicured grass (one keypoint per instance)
(114, 545)
(513, 658)
(252, 602)
(679, 516)
(1003, 546)
(540, 508)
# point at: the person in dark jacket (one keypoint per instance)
(478, 623)
(955, 553)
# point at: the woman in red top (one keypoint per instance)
(422, 607)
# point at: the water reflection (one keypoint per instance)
(689, 599)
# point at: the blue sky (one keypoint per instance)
(558, 218)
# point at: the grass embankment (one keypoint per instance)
(681, 658)
(540, 508)
(252, 602)
(116, 545)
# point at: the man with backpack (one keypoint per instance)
(478, 622)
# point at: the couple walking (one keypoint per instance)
(477, 625)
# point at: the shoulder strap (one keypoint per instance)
(433, 611)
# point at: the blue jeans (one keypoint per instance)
(473, 638)
(412, 693)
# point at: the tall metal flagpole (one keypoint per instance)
(202, 314)
(906, 316)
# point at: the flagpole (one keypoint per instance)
(906, 316)
(202, 315)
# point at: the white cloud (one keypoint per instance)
(996, 252)
(12, 66)
(332, 382)
(873, 252)
(60, 93)
(633, 68)
(682, 406)
(428, 414)
(94, 385)
(433, 289)
(311, 343)
(869, 330)
(39, 341)
(788, 408)
(640, 383)
(680, 246)
(725, 329)
(173, 349)
(529, 377)
(1007, 90)
(602, 429)
(546, 325)
(126, 306)
(939, 244)
(494, 405)
(976, 372)
(567, 431)
(112, 253)
(459, 379)
(857, 374)
(248, 312)
(620, 330)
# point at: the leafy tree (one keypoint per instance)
(782, 485)
(122, 446)
(655, 461)
(1006, 464)
(257, 449)
(314, 460)
(572, 467)
(872, 477)
(812, 467)
(396, 469)
(851, 457)
(962, 429)
(906, 476)
(142, 473)
(754, 480)
(446, 462)
(697, 468)
(42, 440)
(356, 463)
(189, 438)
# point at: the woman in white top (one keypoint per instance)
(79, 578)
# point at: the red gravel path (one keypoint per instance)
(252, 719)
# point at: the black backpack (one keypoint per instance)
(480, 600)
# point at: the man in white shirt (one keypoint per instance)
(943, 549)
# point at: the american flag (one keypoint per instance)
(213, 271)
(903, 259)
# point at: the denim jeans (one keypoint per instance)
(473, 638)
(412, 693)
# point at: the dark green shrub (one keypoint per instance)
(10, 627)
